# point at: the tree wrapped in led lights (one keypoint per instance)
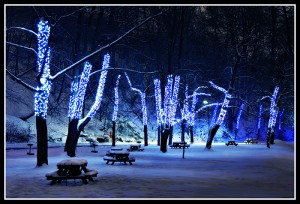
(273, 116)
(77, 97)
(144, 109)
(213, 129)
(157, 92)
(44, 81)
(259, 122)
(238, 120)
(167, 114)
(188, 113)
(280, 122)
(115, 113)
(76, 124)
(42, 92)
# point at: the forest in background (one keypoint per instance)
(198, 43)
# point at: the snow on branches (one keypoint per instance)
(143, 99)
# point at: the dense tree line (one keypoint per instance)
(199, 43)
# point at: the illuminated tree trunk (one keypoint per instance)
(42, 141)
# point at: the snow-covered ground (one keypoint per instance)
(243, 172)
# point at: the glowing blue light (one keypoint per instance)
(43, 90)
(273, 114)
(174, 101)
(158, 100)
(259, 117)
(213, 119)
(143, 99)
(191, 119)
(74, 89)
(185, 109)
(223, 111)
(79, 98)
(42, 37)
(100, 89)
(280, 118)
(116, 104)
(168, 99)
(239, 116)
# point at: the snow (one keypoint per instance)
(243, 172)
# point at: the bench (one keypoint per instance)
(251, 141)
(113, 160)
(179, 145)
(231, 142)
(56, 177)
(135, 147)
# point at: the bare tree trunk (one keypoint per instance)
(113, 137)
(164, 138)
(269, 137)
(171, 135)
(73, 135)
(42, 141)
(182, 129)
(158, 135)
(145, 136)
(191, 133)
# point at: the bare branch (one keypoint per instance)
(104, 47)
(120, 68)
(28, 48)
(21, 28)
(21, 82)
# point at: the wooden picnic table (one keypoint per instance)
(179, 144)
(118, 156)
(72, 169)
(231, 142)
(135, 147)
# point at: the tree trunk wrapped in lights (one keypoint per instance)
(213, 129)
(43, 90)
(167, 114)
(76, 124)
(157, 94)
(188, 114)
(238, 120)
(116, 105)
(144, 109)
(259, 122)
(273, 116)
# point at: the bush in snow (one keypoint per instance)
(17, 130)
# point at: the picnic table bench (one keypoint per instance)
(179, 145)
(231, 142)
(135, 147)
(120, 159)
(251, 141)
(72, 169)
